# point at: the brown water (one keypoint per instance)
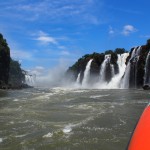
(69, 119)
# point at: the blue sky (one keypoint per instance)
(43, 34)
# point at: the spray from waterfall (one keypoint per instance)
(87, 74)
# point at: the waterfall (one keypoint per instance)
(115, 78)
(112, 70)
(103, 68)
(147, 70)
(27, 79)
(138, 51)
(78, 78)
(115, 81)
(125, 81)
(121, 62)
(132, 65)
(136, 59)
(30, 79)
(87, 74)
(114, 75)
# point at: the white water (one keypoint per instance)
(138, 51)
(125, 81)
(103, 68)
(147, 70)
(117, 77)
(102, 84)
(87, 74)
(115, 81)
(30, 80)
(137, 59)
(112, 70)
(78, 78)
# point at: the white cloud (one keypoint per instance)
(47, 39)
(128, 29)
(21, 55)
(111, 30)
(44, 38)
(79, 11)
(38, 70)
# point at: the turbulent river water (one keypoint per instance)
(69, 119)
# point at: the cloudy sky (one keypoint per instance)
(43, 34)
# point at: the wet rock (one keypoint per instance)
(146, 87)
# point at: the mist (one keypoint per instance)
(48, 78)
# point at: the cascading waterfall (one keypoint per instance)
(30, 79)
(103, 68)
(116, 78)
(121, 62)
(147, 70)
(133, 62)
(125, 81)
(78, 78)
(115, 82)
(112, 70)
(27, 79)
(120, 75)
(87, 74)
(136, 65)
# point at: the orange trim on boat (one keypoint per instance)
(141, 136)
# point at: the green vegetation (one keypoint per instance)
(120, 51)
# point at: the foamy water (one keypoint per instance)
(62, 118)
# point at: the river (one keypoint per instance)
(69, 119)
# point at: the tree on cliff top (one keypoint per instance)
(120, 50)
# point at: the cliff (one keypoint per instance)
(11, 74)
(4, 61)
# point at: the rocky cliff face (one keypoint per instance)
(11, 74)
(4, 61)
(138, 64)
